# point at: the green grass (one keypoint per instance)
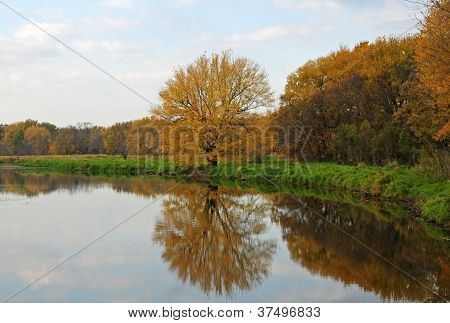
(99, 164)
(401, 183)
(396, 183)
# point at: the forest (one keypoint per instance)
(378, 103)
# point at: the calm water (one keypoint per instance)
(199, 242)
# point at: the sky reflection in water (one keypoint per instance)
(205, 243)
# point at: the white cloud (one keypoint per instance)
(112, 46)
(85, 45)
(29, 35)
(117, 23)
(204, 37)
(141, 76)
(314, 5)
(268, 33)
(120, 4)
(392, 11)
(108, 23)
(29, 44)
(327, 29)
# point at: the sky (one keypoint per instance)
(142, 42)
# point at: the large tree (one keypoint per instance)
(427, 108)
(211, 101)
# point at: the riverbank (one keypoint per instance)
(428, 197)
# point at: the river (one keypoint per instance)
(159, 240)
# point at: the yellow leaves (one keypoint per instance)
(369, 60)
(428, 107)
(203, 102)
(443, 133)
(38, 140)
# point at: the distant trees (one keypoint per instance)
(33, 138)
(26, 138)
(114, 139)
(95, 140)
(209, 100)
(142, 138)
(2, 147)
(37, 140)
(13, 139)
(65, 142)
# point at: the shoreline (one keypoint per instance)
(422, 196)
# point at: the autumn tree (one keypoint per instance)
(433, 57)
(114, 139)
(2, 146)
(427, 109)
(95, 144)
(89, 138)
(13, 138)
(50, 127)
(37, 140)
(65, 142)
(350, 96)
(208, 100)
(142, 137)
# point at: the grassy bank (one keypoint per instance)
(431, 196)
(99, 164)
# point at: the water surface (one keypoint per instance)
(200, 242)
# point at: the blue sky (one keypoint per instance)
(140, 42)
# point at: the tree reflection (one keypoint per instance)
(34, 184)
(211, 237)
(322, 249)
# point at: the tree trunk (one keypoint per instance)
(212, 162)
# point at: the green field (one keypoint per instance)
(429, 196)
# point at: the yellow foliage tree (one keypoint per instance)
(209, 107)
(37, 140)
(433, 57)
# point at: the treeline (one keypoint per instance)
(378, 102)
(31, 137)
(350, 100)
